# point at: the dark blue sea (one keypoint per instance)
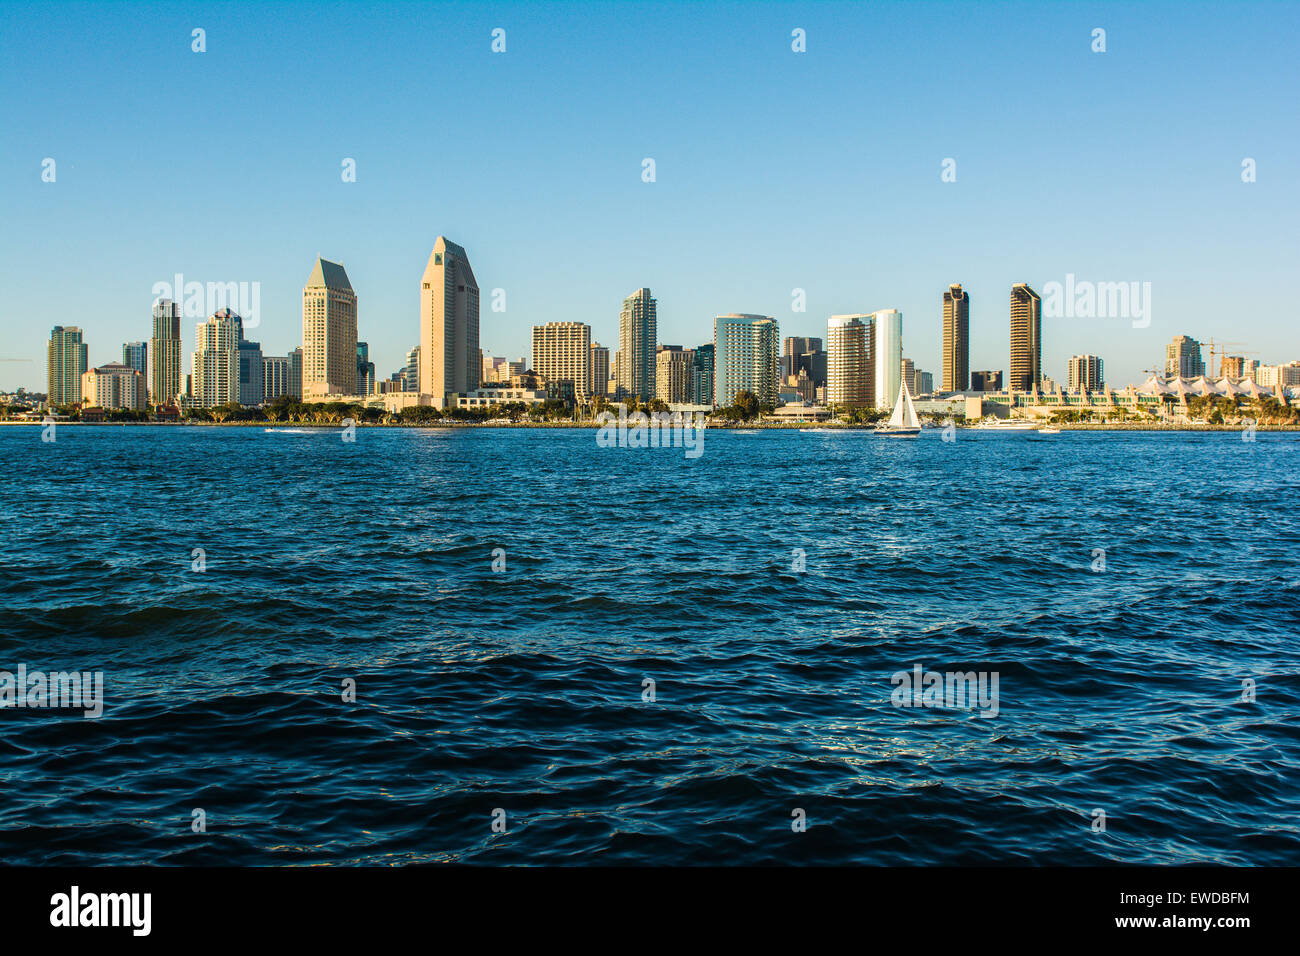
(520, 695)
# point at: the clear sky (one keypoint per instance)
(775, 170)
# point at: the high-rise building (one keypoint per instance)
(295, 374)
(851, 361)
(797, 352)
(889, 356)
(918, 382)
(806, 354)
(216, 360)
(68, 358)
(411, 373)
(136, 355)
(986, 381)
(673, 373)
(599, 369)
(956, 339)
(1233, 366)
(365, 370)
(165, 382)
(637, 334)
(745, 358)
(562, 353)
(800, 345)
(449, 343)
(329, 332)
(250, 372)
(1183, 357)
(275, 377)
(615, 390)
(113, 386)
(1026, 338)
(702, 375)
(1084, 372)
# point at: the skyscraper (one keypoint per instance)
(295, 374)
(365, 370)
(1183, 357)
(136, 355)
(216, 359)
(889, 355)
(251, 389)
(329, 332)
(411, 372)
(850, 361)
(165, 353)
(68, 358)
(804, 353)
(637, 335)
(746, 357)
(956, 339)
(562, 352)
(1233, 366)
(702, 375)
(1026, 371)
(1084, 372)
(449, 345)
(797, 352)
(673, 373)
(275, 377)
(599, 369)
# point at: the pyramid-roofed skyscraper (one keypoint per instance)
(449, 344)
(329, 332)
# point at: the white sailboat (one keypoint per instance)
(904, 423)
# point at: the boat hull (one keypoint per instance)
(897, 432)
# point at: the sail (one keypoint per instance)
(913, 420)
(904, 411)
(896, 419)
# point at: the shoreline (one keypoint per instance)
(749, 426)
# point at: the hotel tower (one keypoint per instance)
(449, 348)
(956, 339)
(1026, 339)
(850, 361)
(562, 352)
(889, 356)
(329, 332)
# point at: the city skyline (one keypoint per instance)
(855, 235)
(564, 351)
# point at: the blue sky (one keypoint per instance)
(775, 170)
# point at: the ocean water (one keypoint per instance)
(769, 588)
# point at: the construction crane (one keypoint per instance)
(1222, 348)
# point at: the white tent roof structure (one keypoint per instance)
(1155, 386)
(1201, 385)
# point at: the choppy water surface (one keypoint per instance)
(522, 689)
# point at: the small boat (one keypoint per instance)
(904, 423)
(1049, 430)
(1005, 425)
